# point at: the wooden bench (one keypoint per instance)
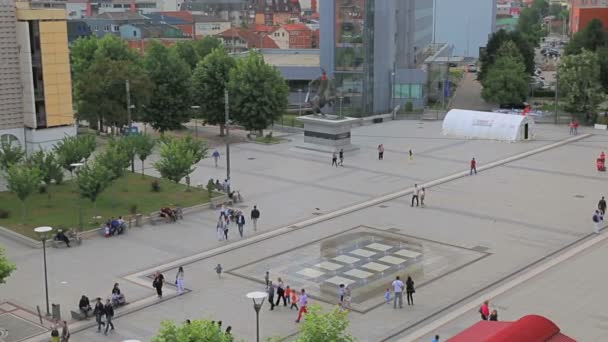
(78, 315)
(216, 203)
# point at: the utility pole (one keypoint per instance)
(556, 91)
(127, 85)
(227, 136)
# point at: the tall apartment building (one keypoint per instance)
(583, 11)
(371, 48)
(35, 82)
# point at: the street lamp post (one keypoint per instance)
(300, 102)
(341, 98)
(227, 124)
(195, 120)
(128, 88)
(556, 94)
(258, 300)
(76, 167)
(43, 234)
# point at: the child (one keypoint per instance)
(341, 292)
(387, 296)
(218, 269)
(107, 230)
(288, 294)
(294, 300)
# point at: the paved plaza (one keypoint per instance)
(321, 226)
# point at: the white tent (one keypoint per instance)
(488, 125)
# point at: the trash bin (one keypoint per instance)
(56, 311)
(138, 218)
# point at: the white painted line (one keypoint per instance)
(434, 326)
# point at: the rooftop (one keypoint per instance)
(120, 16)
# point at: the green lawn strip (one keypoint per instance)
(61, 209)
(290, 120)
(268, 140)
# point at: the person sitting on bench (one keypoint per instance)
(60, 236)
(168, 214)
(84, 305)
(117, 297)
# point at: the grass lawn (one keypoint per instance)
(268, 140)
(61, 209)
(290, 120)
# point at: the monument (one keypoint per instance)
(325, 132)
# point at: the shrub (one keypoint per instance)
(4, 214)
(155, 186)
(133, 209)
(42, 189)
(409, 107)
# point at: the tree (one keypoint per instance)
(177, 159)
(602, 56)
(258, 92)
(92, 179)
(556, 10)
(74, 149)
(46, 162)
(127, 144)
(185, 50)
(115, 158)
(506, 81)
(591, 38)
(6, 267)
(497, 40)
(144, 144)
(579, 82)
(10, 154)
(205, 46)
(170, 103)
(23, 180)
(208, 84)
(200, 331)
(330, 326)
(198, 147)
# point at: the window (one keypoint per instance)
(106, 28)
(408, 91)
(115, 28)
(134, 33)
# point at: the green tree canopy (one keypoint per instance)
(170, 103)
(197, 330)
(116, 158)
(185, 50)
(92, 179)
(74, 149)
(49, 167)
(258, 92)
(23, 180)
(101, 68)
(205, 46)
(329, 326)
(178, 157)
(496, 41)
(591, 38)
(579, 82)
(144, 144)
(507, 81)
(208, 84)
(10, 154)
(6, 267)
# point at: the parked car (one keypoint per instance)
(471, 68)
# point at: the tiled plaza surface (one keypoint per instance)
(514, 214)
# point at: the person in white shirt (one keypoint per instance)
(398, 289)
(415, 195)
(598, 220)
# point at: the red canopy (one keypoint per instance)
(531, 328)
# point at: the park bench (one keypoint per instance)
(155, 217)
(75, 240)
(218, 202)
(78, 315)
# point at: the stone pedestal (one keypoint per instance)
(327, 133)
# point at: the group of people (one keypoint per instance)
(64, 335)
(101, 310)
(335, 156)
(574, 127)
(228, 215)
(486, 314)
(598, 216)
(410, 153)
(171, 215)
(115, 226)
(398, 289)
(418, 196)
(299, 301)
(61, 236)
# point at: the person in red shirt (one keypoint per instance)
(473, 167)
(484, 310)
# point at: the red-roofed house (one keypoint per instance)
(531, 328)
(239, 39)
(292, 36)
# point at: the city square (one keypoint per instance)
(473, 233)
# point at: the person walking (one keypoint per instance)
(240, 222)
(341, 155)
(409, 290)
(216, 156)
(255, 215)
(415, 195)
(303, 305)
(109, 311)
(65, 332)
(280, 293)
(598, 220)
(294, 300)
(226, 226)
(179, 280)
(473, 167)
(398, 290)
(422, 194)
(267, 278)
(334, 159)
(99, 314)
(347, 298)
(576, 124)
(288, 294)
(601, 205)
(380, 152)
(571, 125)
(218, 270)
(436, 338)
(271, 295)
(484, 310)
(411, 154)
(220, 228)
(158, 283)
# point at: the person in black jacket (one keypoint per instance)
(99, 312)
(84, 305)
(409, 290)
(271, 295)
(493, 316)
(158, 282)
(255, 215)
(109, 311)
(240, 222)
